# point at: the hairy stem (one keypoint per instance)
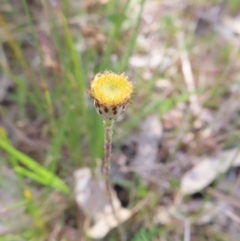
(108, 125)
(107, 153)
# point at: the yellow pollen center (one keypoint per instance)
(111, 89)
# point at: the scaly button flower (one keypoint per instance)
(111, 93)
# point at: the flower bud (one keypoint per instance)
(111, 93)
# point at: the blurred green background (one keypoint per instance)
(183, 59)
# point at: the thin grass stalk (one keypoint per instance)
(34, 35)
(43, 69)
(128, 52)
(19, 55)
(113, 37)
(4, 67)
(78, 71)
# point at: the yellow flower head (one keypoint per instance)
(111, 89)
(111, 92)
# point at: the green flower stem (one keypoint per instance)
(108, 126)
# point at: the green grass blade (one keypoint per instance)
(51, 182)
(77, 66)
(106, 63)
(33, 165)
(125, 59)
